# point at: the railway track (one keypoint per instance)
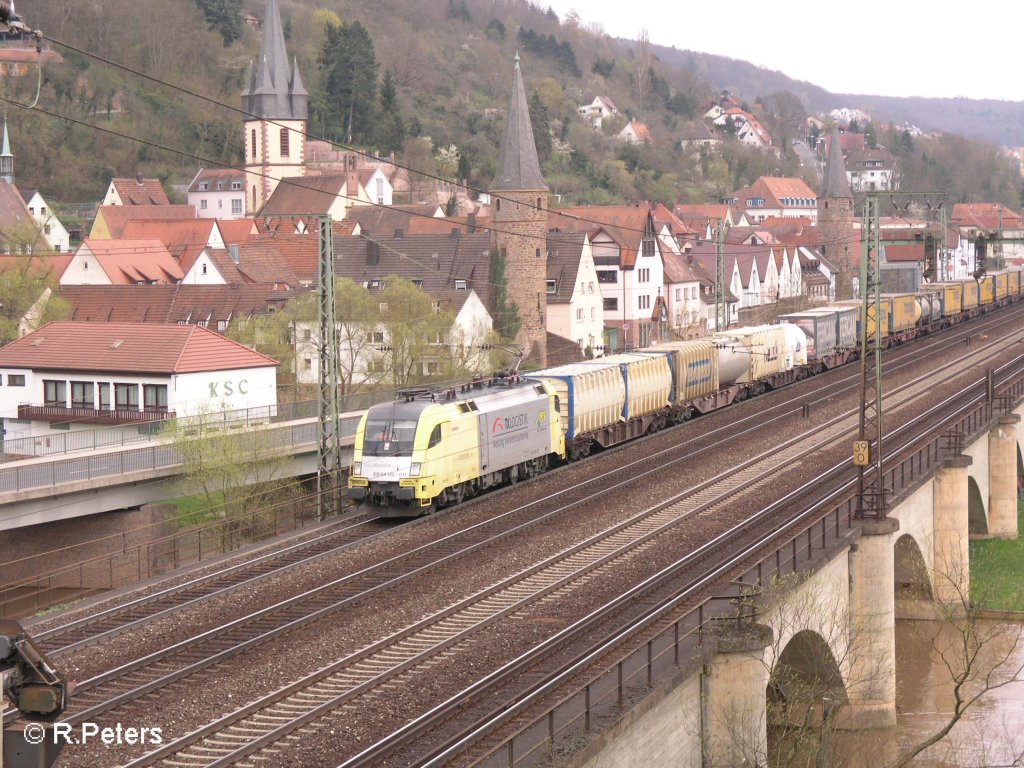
(340, 684)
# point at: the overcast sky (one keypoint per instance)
(889, 48)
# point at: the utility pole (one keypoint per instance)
(328, 437)
(871, 495)
(721, 305)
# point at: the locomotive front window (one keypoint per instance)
(389, 438)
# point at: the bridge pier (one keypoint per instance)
(1002, 467)
(951, 556)
(871, 686)
(735, 721)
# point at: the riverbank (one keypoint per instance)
(997, 571)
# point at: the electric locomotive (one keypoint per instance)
(428, 449)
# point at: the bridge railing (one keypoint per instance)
(158, 456)
(687, 640)
(149, 430)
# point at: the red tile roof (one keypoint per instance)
(129, 348)
(128, 262)
(146, 192)
(185, 238)
(116, 217)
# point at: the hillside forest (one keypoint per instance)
(154, 88)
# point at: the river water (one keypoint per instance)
(990, 734)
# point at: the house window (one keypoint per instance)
(590, 287)
(439, 338)
(645, 276)
(679, 291)
(607, 276)
(55, 392)
(377, 337)
(155, 397)
(552, 286)
(204, 267)
(104, 388)
(254, 151)
(236, 185)
(126, 397)
(460, 285)
(579, 313)
(432, 368)
(220, 203)
(220, 185)
(203, 186)
(82, 394)
(236, 206)
(222, 325)
(644, 302)
(611, 305)
(284, 142)
(15, 380)
(307, 364)
(383, 307)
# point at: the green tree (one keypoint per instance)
(26, 297)
(224, 17)
(348, 65)
(540, 120)
(390, 129)
(416, 332)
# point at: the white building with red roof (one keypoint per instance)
(218, 193)
(776, 197)
(137, 191)
(77, 375)
(122, 262)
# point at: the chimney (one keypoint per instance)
(399, 234)
(471, 223)
(372, 253)
(455, 233)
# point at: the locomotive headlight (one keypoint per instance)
(357, 468)
(414, 469)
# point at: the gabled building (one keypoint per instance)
(218, 193)
(122, 262)
(111, 220)
(575, 307)
(630, 271)
(687, 318)
(55, 234)
(137, 191)
(73, 375)
(636, 132)
(773, 196)
(330, 194)
(994, 234)
(870, 170)
(597, 111)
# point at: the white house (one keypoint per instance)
(597, 111)
(635, 132)
(366, 355)
(575, 306)
(53, 231)
(218, 194)
(78, 375)
(137, 191)
(121, 262)
(329, 194)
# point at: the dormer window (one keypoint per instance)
(203, 186)
(552, 286)
(460, 285)
(236, 185)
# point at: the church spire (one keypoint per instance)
(836, 184)
(518, 165)
(6, 158)
(271, 91)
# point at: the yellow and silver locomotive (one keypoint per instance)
(428, 450)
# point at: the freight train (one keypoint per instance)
(431, 449)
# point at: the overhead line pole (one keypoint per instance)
(328, 437)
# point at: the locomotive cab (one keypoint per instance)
(391, 445)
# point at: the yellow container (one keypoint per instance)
(905, 312)
(648, 382)
(987, 289)
(971, 293)
(694, 366)
(885, 304)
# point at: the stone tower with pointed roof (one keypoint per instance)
(276, 107)
(519, 215)
(835, 218)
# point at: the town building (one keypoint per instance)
(76, 375)
(218, 193)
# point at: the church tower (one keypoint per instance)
(6, 158)
(835, 218)
(519, 215)
(276, 107)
